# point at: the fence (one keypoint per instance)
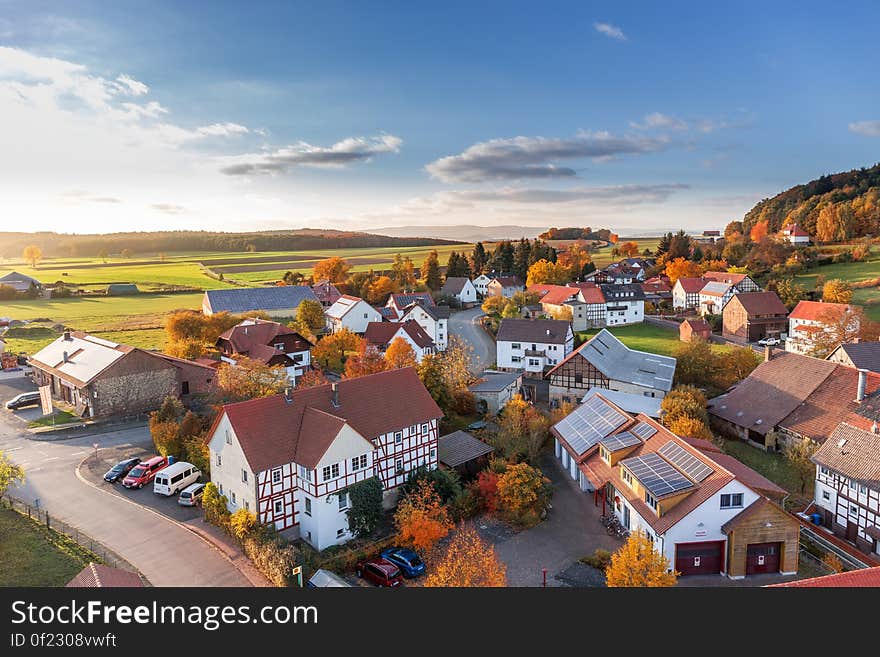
(41, 515)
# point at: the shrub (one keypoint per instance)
(215, 506)
(600, 559)
(365, 506)
(272, 556)
(523, 494)
(463, 402)
(487, 487)
(242, 523)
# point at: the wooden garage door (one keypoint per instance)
(762, 558)
(704, 558)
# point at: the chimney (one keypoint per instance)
(65, 357)
(874, 428)
(67, 335)
(548, 331)
(854, 341)
(334, 389)
(863, 382)
(768, 353)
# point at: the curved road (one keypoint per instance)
(465, 324)
(167, 554)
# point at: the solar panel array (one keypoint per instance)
(620, 440)
(643, 430)
(685, 461)
(655, 474)
(589, 424)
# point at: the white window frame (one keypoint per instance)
(398, 437)
(730, 501)
(275, 506)
(343, 501)
(277, 476)
(307, 507)
(244, 476)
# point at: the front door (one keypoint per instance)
(852, 531)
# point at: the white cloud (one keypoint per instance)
(656, 120)
(866, 128)
(536, 157)
(609, 30)
(128, 85)
(222, 130)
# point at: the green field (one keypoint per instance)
(33, 555)
(647, 337)
(853, 272)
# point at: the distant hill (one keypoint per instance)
(56, 244)
(850, 202)
(464, 233)
(586, 233)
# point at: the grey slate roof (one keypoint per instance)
(628, 401)
(246, 299)
(618, 362)
(495, 381)
(546, 331)
(864, 355)
(460, 447)
(622, 292)
(454, 285)
(16, 276)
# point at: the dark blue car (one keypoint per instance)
(408, 561)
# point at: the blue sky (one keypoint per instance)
(638, 116)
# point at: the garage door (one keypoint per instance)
(706, 558)
(762, 558)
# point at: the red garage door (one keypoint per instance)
(705, 558)
(762, 558)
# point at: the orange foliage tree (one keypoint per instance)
(629, 249)
(613, 238)
(682, 268)
(421, 519)
(487, 486)
(638, 564)
(523, 493)
(380, 289)
(467, 561)
(311, 379)
(366, 361)
(759, 231)
(400, 354)
(331, 351)
(334, 269)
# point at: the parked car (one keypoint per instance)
(408, 561)
(380, 572)
(175, 478)
(24, 399)
(325, 578)
(144, 472)
(769, 342)
(119, 470)
(191, 495)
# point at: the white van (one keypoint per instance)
(174, 478)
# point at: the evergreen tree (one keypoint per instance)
(522, 258)
(478, 259)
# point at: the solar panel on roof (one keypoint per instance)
(655, 474)
(589, 424)
(643, 430)
(688, 463)
(620, 440)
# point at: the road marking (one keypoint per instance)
(13, 449)
(52, 458)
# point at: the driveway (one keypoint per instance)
(572, 530)
(466, 325)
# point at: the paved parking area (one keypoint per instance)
(15, 383)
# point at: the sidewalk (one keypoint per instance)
(230, 549)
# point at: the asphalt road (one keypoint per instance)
(465, 325)
(167, 554)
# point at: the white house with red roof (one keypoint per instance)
(380, 335)
(795, 234)
(352, 313)
(433, 319)
(289, 458)
(810, 319)
(686, 293)
(266, 342)
(706, 513)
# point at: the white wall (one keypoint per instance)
(228, 473)
(633, 313)
(357, 318)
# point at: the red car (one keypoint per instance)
(143, 472)
(380, 572)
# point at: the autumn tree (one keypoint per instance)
(400, 354)
(380, 289)
(311, 379)
(432, 375)
(613, 238)
(32, 254)
(684, 401)
(366, 361)
(638, 564)
(10, 474)
(249, 379)
(577, 258)
(431, 271)
(421, 519)
(333, 269)
(310, 313)
(544, 271)
(790, 292)
(685, 425)
(523, 494)
(629, 249)
(293, 278)
(332, 350)
(682, 268)
(494, 305)
(467, 561)
(403, 272)
(522, 431)
(837, 291)
(759, 231)
(799, 453)
(843, 327)
(831, 224)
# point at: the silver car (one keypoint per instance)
(191, 495)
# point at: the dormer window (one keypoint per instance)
(650, 500)
(605, 454)
(627, 477)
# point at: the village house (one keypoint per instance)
(556, 301)
(352, 313)
(810, 319)
(605, 362)
(289, 458)
(790, 396)
(99, 378)
(693, 329)
(326, 293)
(399, 302)
(460, 288)
(532, 345)
(847, 490)
(714, 287)
(713, 296)
(595, 307)
(277, 301)
(740, 282)
(494, 389)
(379, 335)
(704, 515)
(861, 355)
(753, 316)
(269, 343)
(627, 401)
(796, 235)
(686, 293)
(504, 286)
(624, 304)
(433, 319)
(657, 290)
(481, 284)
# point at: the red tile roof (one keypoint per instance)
(242, 337)
(725, 277)
(698, 325)
(691, 285)
(382, 333)
(555, 295)
(863, 578)
(818, 310)
(590, 292)
(271, 430)
(796, 231)
(760, 303)
(97, 575)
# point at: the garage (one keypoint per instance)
(762, 558)
(706, 558)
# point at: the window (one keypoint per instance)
(516, 345)
(398, 465)
(232, 496)
(863, 490)
(276, 476)
(626, 476)
(650, 500)
(305, 473)
(279, 506)
(220, 488)
(219, 459)
(515, 359)
(228, 437)
(398, 438)
(823, 470)
(732, 501)
(343, 501)
(244, 476)
(247, 506)
(425, 428)
(359, 462)
(279, 346)
(340, 533)
(433, 454)
(578, 378)
(330, 472)
(604, 454)
(308, 507)
(853, 510)
(826, 495)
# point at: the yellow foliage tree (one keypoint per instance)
(837, 291)
(330, 351)
(380, 289)
(692, 427)
(421, 519)
(32, 254)
(638, 564)
(523, 493)
(682, 268)
(333, 269)
(249, 379)
(400, 354)
(544, 271)
(467, 561)
(494, 305)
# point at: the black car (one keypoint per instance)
(24, 399)
(118, 471)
